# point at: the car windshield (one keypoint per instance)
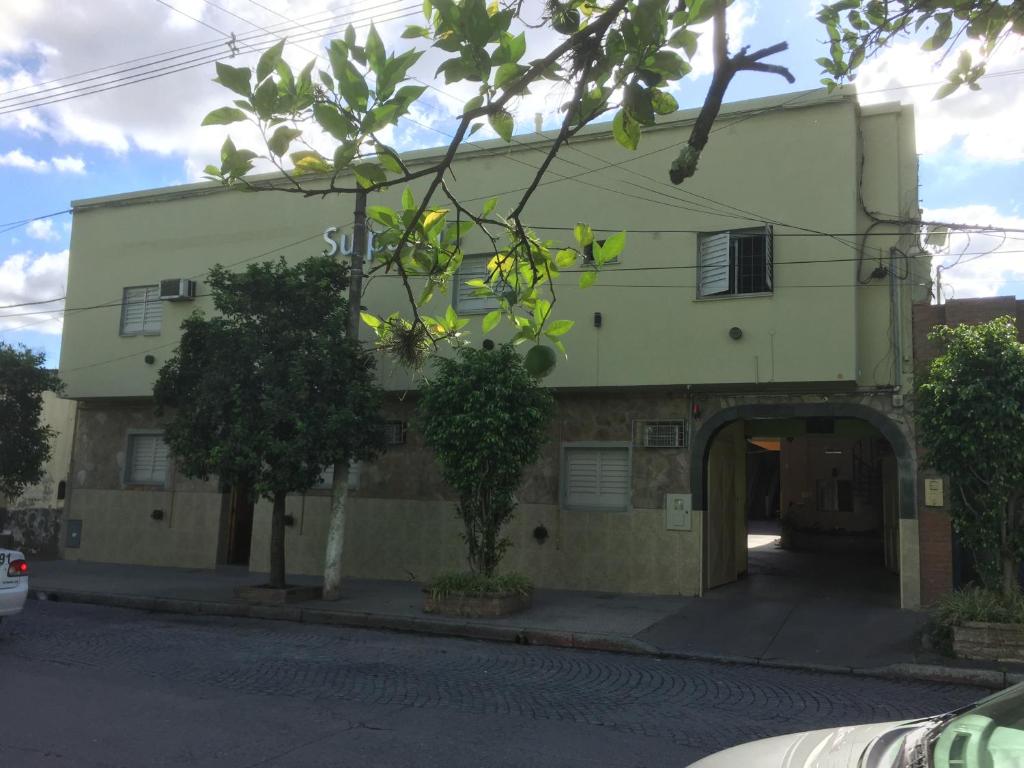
(988, 735)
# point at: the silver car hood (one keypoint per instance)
(830, 748)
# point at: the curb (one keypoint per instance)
(932, 673)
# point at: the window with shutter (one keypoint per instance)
(141, 311)
(147, 460)
(473, 268)
(596, 476)
(736, 263)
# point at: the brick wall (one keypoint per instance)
(935, 532)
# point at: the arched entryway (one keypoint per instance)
(832, 483)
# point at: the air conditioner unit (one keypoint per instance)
(664, 434)
(178, 289)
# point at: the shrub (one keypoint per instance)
(485, 417)
(476, 584)
(972, 604)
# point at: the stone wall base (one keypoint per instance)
(35, 531)
(989, 641)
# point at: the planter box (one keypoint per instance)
(476, 606)
(261, 594)
(988, 641)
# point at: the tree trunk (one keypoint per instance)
(277, 541)
(1006, 558)
(336, 533)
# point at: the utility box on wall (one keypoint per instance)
(679, 511)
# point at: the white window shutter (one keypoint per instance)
(597, 478)
(769, 257)
(154, 310)
(141, 310)
(133, 310)
(714, 264)
(148, 460)
(582, 477)
(473, 268)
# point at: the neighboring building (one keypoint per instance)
(749, 352)
(942, 561)
(31, 522)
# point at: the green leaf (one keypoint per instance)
(559, 328)
(408, 202)
(946, 89)
(265, 99)
(268, 61)
(566, 258)
(224, 116)
(279, 142)
(234, 78)
(331, 120)
(664, 103)
(584, 234)
(626, 130)
(587, 278)
(369, 174)
(507, 73)
(491, 319)
(371, 320)
(450, 317)
(376, 56)
(942, 32)
(413, 31)
(351, 83)
(383, 215)
(686, 40)
(503, 124)
(489, 206)
(611, 248)
(475, 22)
(310, 162)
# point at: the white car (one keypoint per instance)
(986, 734)
(13, 582)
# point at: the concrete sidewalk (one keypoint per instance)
(804, 631)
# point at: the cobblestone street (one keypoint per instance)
(108, 687)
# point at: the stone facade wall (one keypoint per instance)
(177, 525)
(935, 528)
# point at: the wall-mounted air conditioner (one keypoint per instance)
(178, 289)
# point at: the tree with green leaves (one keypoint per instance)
(970, 418)
(269, 392)
(24, 438)
(485, 417)
(619, 58)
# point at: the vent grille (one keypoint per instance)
(394, 433)
(662, 434)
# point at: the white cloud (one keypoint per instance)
(987, 264)
(25, 277)
(42, 229)
(18, 159)
(68, 164)
(986, 121)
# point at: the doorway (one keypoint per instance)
(802, 507)
(239, 509)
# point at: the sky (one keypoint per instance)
(80, 119)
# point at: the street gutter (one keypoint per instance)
(987, 678)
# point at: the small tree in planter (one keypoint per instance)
(271, 391)
(485, 417)
(970, 416)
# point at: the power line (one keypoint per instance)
(31, 101)
(30, 304)
(23, 222)
(118, 302)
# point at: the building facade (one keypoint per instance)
(745, 358)
(32, 522)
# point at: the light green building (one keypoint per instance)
(748, 353)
